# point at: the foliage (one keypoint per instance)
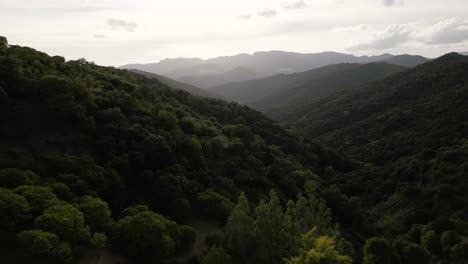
(216, 256)
(42, 247)
(64, 220)
(323, 251)
(14, 212)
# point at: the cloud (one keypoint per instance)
(392, 2)
(444, 32)
(296, 4)
(390, 37)
(268, 13)
(122, 24)
(245, 16)
(448, 31)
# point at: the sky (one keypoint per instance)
(117, 32)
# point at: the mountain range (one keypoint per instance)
(220, 70)
(278, 93)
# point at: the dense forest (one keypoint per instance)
(100, 159)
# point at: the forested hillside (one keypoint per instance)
(410, 131)
(95, 157)
(406, 60)
(177, 85)
(97, 161)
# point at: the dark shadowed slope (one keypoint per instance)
(397, 95)
(319, 86)
(278, 94)
(406, 60)
(413, 127)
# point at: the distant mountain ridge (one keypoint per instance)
(406, 60)
(210, 72)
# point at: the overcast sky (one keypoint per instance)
(116, 32)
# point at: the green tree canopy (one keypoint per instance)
(378, 250)
(323, 251)
(217, 256)
(42, 247)
(14, 211)
(145, 236)
(96, 212)
(39, 198)
(64, 220)
(13, 177)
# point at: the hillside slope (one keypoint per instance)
(209, 80)
(406, 60)
(176, 84)
(96, 157)
(411, 128)
(276, 95)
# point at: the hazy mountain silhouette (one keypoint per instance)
(284, 91)
(257, 65)
(406, 60)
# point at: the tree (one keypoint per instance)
(14, 211)
(239, 236)
(409, 252)
(184, 237)
(166, 120)
(448, 240)
(133, 210)
(188, 125)
(3, 43)
(38, 246)
(96, 212)
(377, 250)
(145, 236)
(431, 242)
(217, 256)
(414, 253)
(13, 177)
(323, 251)
(99, 240)
(214, 205)
(292, 230)
(312, 210)
(64, 220)
(269, 228)
(38, 197)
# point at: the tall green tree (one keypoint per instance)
(240, 240)
(270, 230)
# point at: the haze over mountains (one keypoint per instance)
(220, 70)
(280, 92)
